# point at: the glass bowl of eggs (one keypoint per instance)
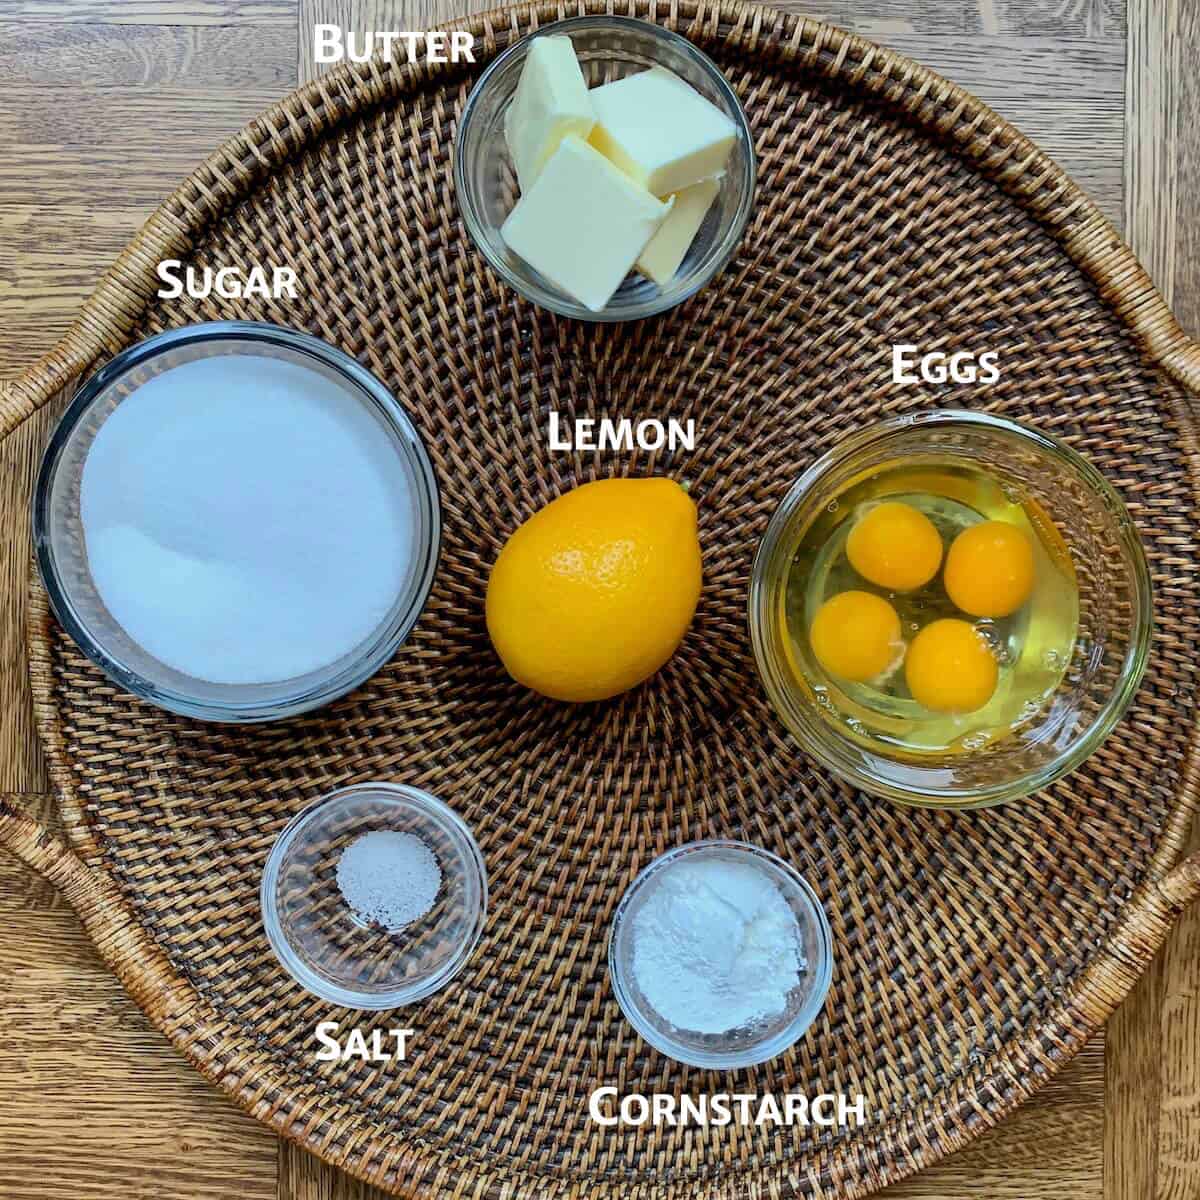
(951, 610)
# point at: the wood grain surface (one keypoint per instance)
(1152, 1140)
(104, 106)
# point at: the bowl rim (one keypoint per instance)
(550, 299)
(399, 796)
(361, 382)
(821, 970)
(822, 743)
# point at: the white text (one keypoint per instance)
(938, 367)
(358, 1046)
(332, 44)
(277, 284)
(592, 433)
(724, 1108)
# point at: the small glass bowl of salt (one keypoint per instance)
(720, 955)
(374, 896)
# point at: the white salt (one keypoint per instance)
(247, 520)
(716, 946)
(389, 878)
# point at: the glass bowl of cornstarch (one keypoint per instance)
(236, 521)
(720, 954)
(374, 896)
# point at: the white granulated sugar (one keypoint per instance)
(715, 946)
(389, 878)
(247, 520)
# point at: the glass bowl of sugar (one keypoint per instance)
(236, 521)
(374, 896)
(720, 955)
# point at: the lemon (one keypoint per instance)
(593, 593)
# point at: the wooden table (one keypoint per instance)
(104, 106)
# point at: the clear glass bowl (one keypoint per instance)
(62, 555)
(738, 1047)
(608, 48)
(325, 946)
(1115, 612)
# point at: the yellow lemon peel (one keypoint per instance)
(594, 592)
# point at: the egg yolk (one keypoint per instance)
(950, 667)
(895, 546)
(856, 635)
(989, 570)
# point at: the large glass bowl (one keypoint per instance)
(61, 547)
(1111, 646)
(608, 48)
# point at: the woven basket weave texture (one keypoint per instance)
(890, 209)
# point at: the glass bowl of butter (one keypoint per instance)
(605, 168)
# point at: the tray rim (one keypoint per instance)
(907, 1142)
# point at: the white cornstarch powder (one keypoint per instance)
(389, 878)
(716, 946)
(247, 520)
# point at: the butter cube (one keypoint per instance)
(552, 100)
(583, 223)
(660, 131)
(665, 250)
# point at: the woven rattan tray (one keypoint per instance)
(975, 953)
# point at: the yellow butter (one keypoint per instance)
(666, 249)
(660, 131)
(583, 223)
(551, 101)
